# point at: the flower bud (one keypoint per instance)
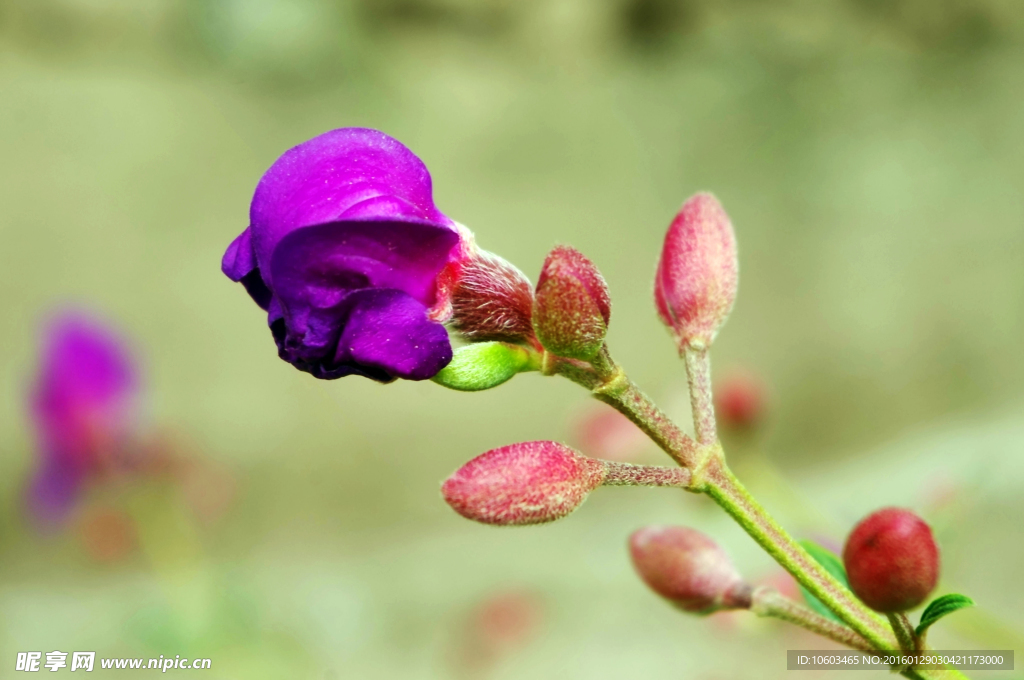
(740, 401)
(526, 483)
(687, 568)
(891, 560)
(491, 300)
(695, 285)
(482, 365)
(572, 306)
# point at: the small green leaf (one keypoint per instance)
(483, 365)
(939, 607)
(834, 566)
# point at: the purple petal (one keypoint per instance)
(239, 259)
(239, 265)
(381, 334)
(317, 266)
(389, 330)
(351, 174)
(317, 269)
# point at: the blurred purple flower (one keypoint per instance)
(82, 405)
(344, 251)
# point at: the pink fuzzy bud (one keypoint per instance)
(687, 568)
(526, 483)
(891, 560)
(572, 307)
(695, 285)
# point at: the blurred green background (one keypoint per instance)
(870, 154)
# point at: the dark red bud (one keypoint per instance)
(572, 306)
(891, 560)
(526, 483)
(688, 568)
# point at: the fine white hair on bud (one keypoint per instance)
(491, 299)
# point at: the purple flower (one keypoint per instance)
(82, 405)
(344, 250)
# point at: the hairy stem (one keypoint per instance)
(904, 632)
(627, 474)
(709, 474)
(720, 484)
(698, 374)
(769, 602)
(608, 383)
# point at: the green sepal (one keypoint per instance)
(939, 607)
(483, 365)
(834, 566)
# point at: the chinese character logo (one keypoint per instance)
(82, 661)
(28, 661)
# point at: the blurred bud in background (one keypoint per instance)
(84, 404)
(499, 625)
(602, 432)
(741, 400)
(209, 489)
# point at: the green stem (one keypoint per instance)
(609, 383)
(768, 602)
(904, 632)
(720, 484)
(714, 478)
(711, 476)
